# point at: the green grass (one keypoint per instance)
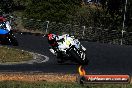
(13, 55)
(43, 84)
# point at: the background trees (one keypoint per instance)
(6, 6)
(53, 10)
(107, 14)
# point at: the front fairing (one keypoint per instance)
(76, 43)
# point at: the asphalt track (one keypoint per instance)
(104, 58)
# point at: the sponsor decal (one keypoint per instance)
(83, 78)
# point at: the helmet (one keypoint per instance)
(2, 19)
(2, 25)
(51, 36)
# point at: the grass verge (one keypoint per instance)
(9, 55)
(43, 84)
(43, 80)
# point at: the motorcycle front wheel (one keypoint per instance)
(12, 40)
(77, 58)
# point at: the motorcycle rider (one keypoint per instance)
(5, 23)
(67, 46)
(66, 41)
(57, 42)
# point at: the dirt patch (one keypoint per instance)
(31, 77)
(35, 77)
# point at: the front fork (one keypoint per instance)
(83, 55)
(80, 52)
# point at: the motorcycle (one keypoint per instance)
(7, 36)
(73, 50)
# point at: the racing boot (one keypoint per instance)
(52, 51)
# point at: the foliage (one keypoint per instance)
(116, 9)
(6, 6)
(42, 84)
(108, 15)
(128, 22)
(52, 10)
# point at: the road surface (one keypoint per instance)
(104, 58)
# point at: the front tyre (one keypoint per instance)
(13, 40)
(85, 60)
(77, 58)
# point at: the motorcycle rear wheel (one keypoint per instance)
(60, 57)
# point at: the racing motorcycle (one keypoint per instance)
(7, 36)
(73, 50)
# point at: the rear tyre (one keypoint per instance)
(60, 61)
(60, 57)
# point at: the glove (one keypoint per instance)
(61, 40)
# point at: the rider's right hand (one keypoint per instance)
(61, 40)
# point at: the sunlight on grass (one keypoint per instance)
(13, 55)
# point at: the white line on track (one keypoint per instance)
(37, 58)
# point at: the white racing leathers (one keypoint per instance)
(8, 25)
(61, 44)
(70, 47)
(65, 43)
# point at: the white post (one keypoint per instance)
(122, 32)
(47, 26)
(84, 27)
(123, 25)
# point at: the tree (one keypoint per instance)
(128, 21)
(6, 6)
(115, 9)
(53, 10)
